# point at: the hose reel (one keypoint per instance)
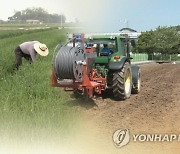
(68, 63)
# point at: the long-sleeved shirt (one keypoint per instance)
(28, 48)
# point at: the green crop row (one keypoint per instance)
(14, 33)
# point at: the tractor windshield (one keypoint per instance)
(103, 47)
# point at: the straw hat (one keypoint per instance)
(41, 49)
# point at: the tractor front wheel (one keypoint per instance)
(122, 82)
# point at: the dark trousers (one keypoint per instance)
(19, 54)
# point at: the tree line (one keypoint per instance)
(39, 14)
(164, 40)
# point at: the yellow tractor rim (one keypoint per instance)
(127, 82)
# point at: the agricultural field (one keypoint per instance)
(25, 26)
(155, 110)
(29, 107)
(31, 111)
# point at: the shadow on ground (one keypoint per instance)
(84, 102)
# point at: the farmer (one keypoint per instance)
(106, 50)
(28, 50)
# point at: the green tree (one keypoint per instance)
(163, 40)
(37, 14)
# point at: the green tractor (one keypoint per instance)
(94, 64)
(113, 62)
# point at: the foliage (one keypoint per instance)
(37, 14)
(162, 40)
(177, 28)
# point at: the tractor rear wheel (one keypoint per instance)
(122, 83)
(137, 86)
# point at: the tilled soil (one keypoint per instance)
(155, 110)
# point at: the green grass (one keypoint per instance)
(28, 104)
(25, 25)
(13, 33)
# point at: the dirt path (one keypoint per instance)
(156, 109)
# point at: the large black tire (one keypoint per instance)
(137, 86)
(122, 82)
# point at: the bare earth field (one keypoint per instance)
(155, 110)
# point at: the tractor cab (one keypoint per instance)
(109, 47)
(104, 47)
